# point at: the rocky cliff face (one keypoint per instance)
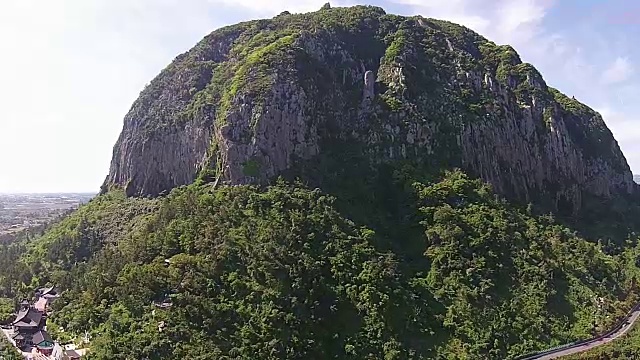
(254, 99)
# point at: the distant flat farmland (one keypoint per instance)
(23, 211)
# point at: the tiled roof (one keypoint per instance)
(46, 291)
(41, 304)
(24, 324)
(21, 315)
(72, 353)
(29, 317)
(42, 336)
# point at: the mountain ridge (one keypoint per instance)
(252, 100)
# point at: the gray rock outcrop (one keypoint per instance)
(252, 100)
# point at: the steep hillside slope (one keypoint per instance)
(281, 273)
(253, 99)
(336, 204)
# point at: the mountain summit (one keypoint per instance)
(256, 99)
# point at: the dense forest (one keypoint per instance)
(283, 272)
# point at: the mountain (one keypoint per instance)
(344, 184)
(636, 178)
(253, 100)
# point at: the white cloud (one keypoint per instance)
(70, 70)
(503, 21)
(618, 71)
(458, 11)
(272, 7)
(624, 127)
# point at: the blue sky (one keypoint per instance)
(70, 69)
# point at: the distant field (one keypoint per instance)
(22, 211)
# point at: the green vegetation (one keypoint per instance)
(428, 72)
(64, 249)
(252, 168)
(585, 127)
(397, 46)
(315, 51)
(624, 348)
(571, 104)
(255, 71)
(7, 351)
(433, 266)
(500, 59)
(7, 309)
(359, 252)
